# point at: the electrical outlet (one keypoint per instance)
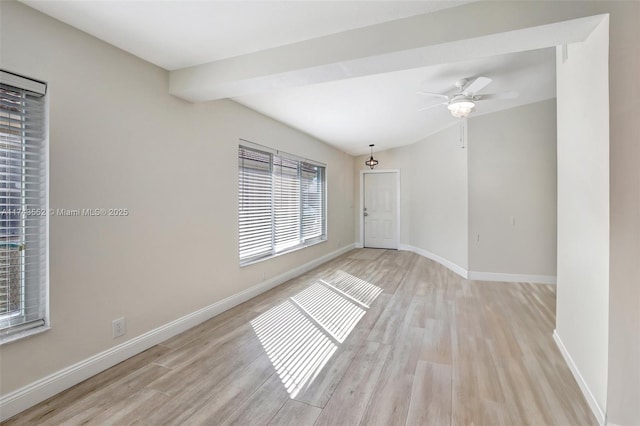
(118, 327)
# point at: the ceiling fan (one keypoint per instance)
(463, 101)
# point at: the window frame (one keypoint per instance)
(32, 318)
(302, 242)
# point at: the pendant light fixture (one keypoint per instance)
(371, 162)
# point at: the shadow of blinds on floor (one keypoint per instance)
(301, 334)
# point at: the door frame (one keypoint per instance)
(360, 243)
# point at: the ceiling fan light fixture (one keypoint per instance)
(461, 107)
(371, 162)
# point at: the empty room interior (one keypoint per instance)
(319, 212)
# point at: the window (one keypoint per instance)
(281, 203)
(23, 206)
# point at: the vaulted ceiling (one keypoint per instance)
(175, 34)
(345, 72)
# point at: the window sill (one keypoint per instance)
(23, 334)
(291, 250)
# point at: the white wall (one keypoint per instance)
(623, 391)
(583, 208)
(433, 204)
(512, 191)
(439, 196)
(449, 195)
(118, 139)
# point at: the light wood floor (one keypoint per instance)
(375, 337)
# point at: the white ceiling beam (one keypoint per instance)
(475, 30)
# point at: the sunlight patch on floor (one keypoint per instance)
(355, 287)
(301, 334)
(296, 347)
(337, 315)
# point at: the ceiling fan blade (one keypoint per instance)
(492, 96)
(476, 85)
(432, 106)
(438, 95)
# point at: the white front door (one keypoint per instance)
(380, 210)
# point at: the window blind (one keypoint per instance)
(23, 205)
(286, 201)
(281, 203)
(311, 183)
(255, 203)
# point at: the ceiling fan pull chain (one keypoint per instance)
(463, 132)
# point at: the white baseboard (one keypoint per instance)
(480, 276)
(441, 260)
(593, 404)
(513, 278)
(30, 395)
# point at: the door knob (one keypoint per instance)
(366, 214)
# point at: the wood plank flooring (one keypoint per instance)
(374, 337)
